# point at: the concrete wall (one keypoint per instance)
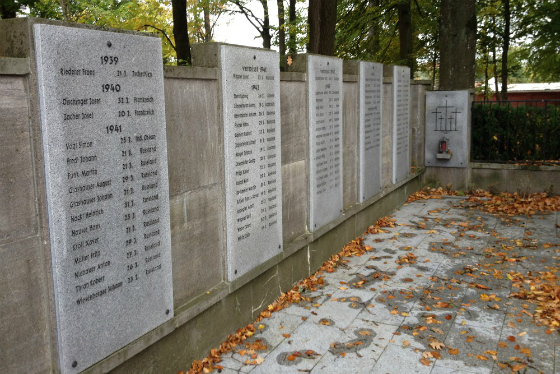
(207, 308)
(497, 178)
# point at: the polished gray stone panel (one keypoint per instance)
(401, 118)
(253, 173)
(371, 115)
(324, 77)
(447, 115)
(104, 144)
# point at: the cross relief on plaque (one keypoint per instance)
(446, 118)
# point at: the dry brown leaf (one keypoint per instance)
(526, 351)
(437, 345)
(453, 351)
(427, 354)
(425, 361)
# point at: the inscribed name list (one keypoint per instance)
(325, 139)
(401, 118)
(370, 96)
(253, 174)
(104, 144)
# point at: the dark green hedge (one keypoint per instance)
(504, 132)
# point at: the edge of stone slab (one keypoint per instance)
(14, 66)
(190, 72)
(183, 314)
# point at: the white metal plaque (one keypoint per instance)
(324, 77)
(251, 115)
(371, 104)
(105, 153)
(447, 116)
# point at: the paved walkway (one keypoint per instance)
(430, 297)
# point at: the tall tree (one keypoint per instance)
(322, 23)
(181, 32)
(207, 24)
(261, 25)
(203, 16)
(505, 48)
(10, 8)
(293, 30)
(457, 44)
(281, 34)
(375, 28)
(541, 23)
(154, 16)
(405, 34)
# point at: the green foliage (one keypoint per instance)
(368, 30)
(543, 26)
(506, 133)
(152, 16)
(195, 15)
(10, 8)
(297, 28)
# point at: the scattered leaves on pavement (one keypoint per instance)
(541, 288)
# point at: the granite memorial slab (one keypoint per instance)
(253, 170)
(447, 116)
(324, 79)
(105, 157)
(401, 119)
(370, 114)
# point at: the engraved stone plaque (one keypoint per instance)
(401, 118)
(253, 170)
(324, 79)
(370, 96)
(447, 116)
(105, 155)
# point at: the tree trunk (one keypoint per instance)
(281, 34)
(486, 75)
(405, 34)
(375, 43)
(495, 65)
(8, 11)
(457, 44)
(266, 26)
(434, 69)
(505, 49)
(322, 23)
(207, 25)
(181, 32)
(293, 31)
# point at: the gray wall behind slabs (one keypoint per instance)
(207, 307)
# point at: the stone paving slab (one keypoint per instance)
(431, 296)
